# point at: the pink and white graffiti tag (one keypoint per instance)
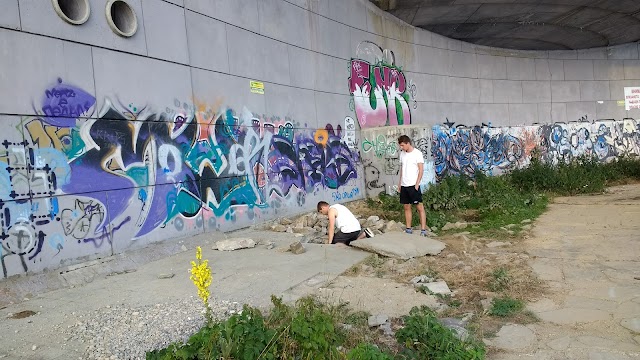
(388, 105)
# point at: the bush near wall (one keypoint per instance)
(521, 194)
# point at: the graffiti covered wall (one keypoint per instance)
(380, 92)
(79, 180)
(380, 156)
(459, 150)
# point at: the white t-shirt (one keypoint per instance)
(409, 162)
(345, 221)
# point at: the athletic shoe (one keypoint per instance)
(408, 230)
(427, 233)
(368, 233)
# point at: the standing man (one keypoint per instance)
(342, 218)
(412, 166)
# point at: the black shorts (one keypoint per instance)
(409, 195)
(345, 238)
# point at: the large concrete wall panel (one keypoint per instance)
(38, 17)
(25, 74)
(165, 33)
(207, 40)
(241, 13)
(10, 15)
(139, 81)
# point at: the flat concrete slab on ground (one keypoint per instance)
(400, 245)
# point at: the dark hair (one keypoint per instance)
(404, 139)
(322, 204)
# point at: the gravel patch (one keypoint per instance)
(122, 332)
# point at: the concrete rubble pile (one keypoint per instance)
(312, 227)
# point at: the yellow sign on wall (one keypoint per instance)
(257, 87)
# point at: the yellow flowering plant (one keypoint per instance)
(201, 277)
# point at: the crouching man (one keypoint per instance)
(342, 218)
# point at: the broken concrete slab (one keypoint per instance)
(438, 287)
(234, 244)
(400, 245)
(631, 324)
(377, 320)
(514, 337)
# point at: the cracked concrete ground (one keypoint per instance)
(587, 249)
(248, 276)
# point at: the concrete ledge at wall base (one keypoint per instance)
(20, 288)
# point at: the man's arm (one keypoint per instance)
(332, 223)
(420, 171)
(400, 179)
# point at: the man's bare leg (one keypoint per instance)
(423, 216)
(407, 215)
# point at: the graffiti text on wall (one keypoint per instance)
(460, 150)
(69, 181)
(380, 93)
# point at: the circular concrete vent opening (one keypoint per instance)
(74, 12)
(121, 18)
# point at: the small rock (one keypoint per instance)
(166, 276)
(289, 230)
(422, 279)
(378, 225)
(270, 246)
(386, 329)
(486, 304)
(372, 219)
(377, 320)
(279, 228)
(235, 244)
(390, 226)
(527, 227)
(297, 248)
(457, 225)
(509, 226)
(452, 256)
(286, 221)
(525, 221)
(495, 244)
(438, 287)
(457, 326)
(183, 248)
(34, 347)
(303, 230)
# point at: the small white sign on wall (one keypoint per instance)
(350, 132)
(631, 98)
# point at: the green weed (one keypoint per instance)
(367, 352)
(423, 337)
(505, 306)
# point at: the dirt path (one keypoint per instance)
(587, 250)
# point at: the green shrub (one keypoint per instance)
(423, 337)
(367, 352)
